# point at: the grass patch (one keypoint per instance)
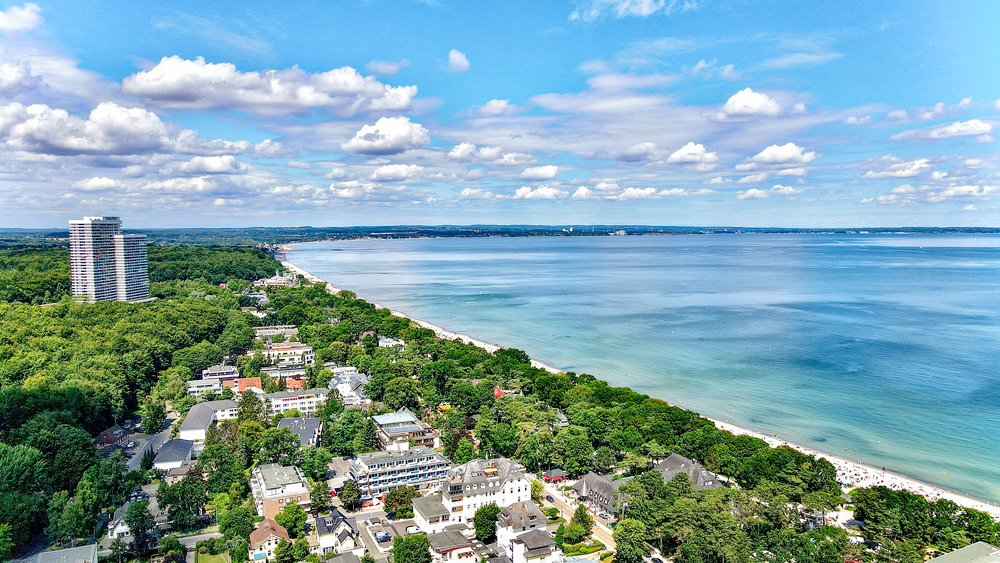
(206, 558)
(585, 548)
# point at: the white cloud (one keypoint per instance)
(20, 18)
(457, 61)
(16, 78)
(855, 120)
(109, 129)
(894, 167)
(745, 166)
(355, 190)
(692, 153)
(225, 164)
(638, 152)
(778, 189)
(800, 59)
(181, 83)
(494, 108)
(753, 178)
(792, 172)
(299, 164)
(335, 174)
(389, 135)
(588, 10)
(547, 172)
(970, 207)
(746, 103)
(386, 68)
(583, 192)
(395, 172)
(719, 180)
(541, 192)
(996, 105)
(753, 193)
(897, 115)
(783, 154)
(904, 189)
(971, 127)
(514, 159)
(476, 174)
(475, 193)
(636, 193)
(269, 149)
(97, 184)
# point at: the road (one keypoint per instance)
(567, 507)
(152, 441)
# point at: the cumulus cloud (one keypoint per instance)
(97, 183)
(894, 167)
(638, 152)
(971, 127)
(225, 164)
(753, 193)
(494, 108)
(745, 166)
(395, 172)
(298, 164)
(16, 78)
(778, 189)
(692, 153)
(855, 120)
(513, 159)
(541, 192)
(386, 68)
(547, 172)
(20, 18)
(355, 190)
(335, 174)
(475, 193)
(457, 61)
(746, 104)
(269, 149)
(468, 152)
(588, 10)
(583, 192)
(897, 115)
(389, 135)
(792, 172)
(719, 180)
(195, 84)
(783, 154)
(753, 178)
(109, 129)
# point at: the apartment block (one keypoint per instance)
(403, 425)
(289, 354)
(303, 400)
(378, 473)
(105, 264)
(480, 482)
(273, 486)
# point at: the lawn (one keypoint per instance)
(206, 558)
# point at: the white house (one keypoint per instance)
(117, 528)
(535, 546)
(173, 454)
(289, 354)
(480, 482)
(337, 534)
(516, 519)
(202, 415)
(303, 400)
(451, 547)
(430, 514)
(264, 539)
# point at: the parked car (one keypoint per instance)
(412, 530)
(604, 515)
(581, 499)
(381, 537)
(656, 560)
(552, 533)
(549, 498)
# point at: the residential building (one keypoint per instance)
(278, 280)
(245, 383)
(517, 519)
(304, 400)
(173, 454)
(201, 416)
(284, 354)
(386, 342)
(294, 384)
(264, 539)
(178, 473)
(378, 473)
(307, 429)
(599, 490)
(979, 552)
(346, 558)
(273, 486)
(83, 554)
(536, 546)
(480, 482)
(404, 425)
(283, 372)
(117, 528)
(430, 514)
(226, 374)
(268, 332)
(451, 546)
(338, 534)
(675, 464)
(350, 384)
(106, 265)
(116, 435)
(200, 387)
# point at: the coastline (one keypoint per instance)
(850, 474)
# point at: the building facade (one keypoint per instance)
(480, 482)
(303, 400)
(289, 354)
(264, 539)
(517, 519)
(273, 486)
(106, 265)
(404, 425)
(378, 473)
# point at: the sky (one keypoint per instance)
(378, 112)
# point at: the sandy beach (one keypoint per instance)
(850, 474)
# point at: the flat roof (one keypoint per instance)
(448, 540)
(174, 450)
(430, 506)
(275, 475)
(298, 392)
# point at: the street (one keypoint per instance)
(145, 442)
(566, 506)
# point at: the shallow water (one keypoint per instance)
(882, 349)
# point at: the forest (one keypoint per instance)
(68, 371)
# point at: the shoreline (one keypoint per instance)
(850, 474)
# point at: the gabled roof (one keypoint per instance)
(326, 525)
(174, 450)
(603, 486)
(676, 464)
(401, 416)
(979, 552)
(521, 515)
(448, 541)
(303, 427)
(200, 415)
(266, 529)
(345, 558)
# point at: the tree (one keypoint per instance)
(574, 533)
(171, 545)
(236, 522)
(250, 409)
(292, 518)
(536, 490)
(154, 413)
(414, 548)
(277, 445)
(283, 552)
(574, 450)
(140, 522)
(198, 357)
(367, 438)
(315, 462)
(630, 541)
(401, 392)
(367, 558)
(400, 501)
(604, 460)
(6, 542)
(300, 549)
(320, 497)
(146, 462)
(583, 518)
(119, 551)
(465, 452)
(821, 501)
(350, 494)
(485, 521)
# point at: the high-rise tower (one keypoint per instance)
(104, 263)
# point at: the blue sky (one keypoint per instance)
(691, 112)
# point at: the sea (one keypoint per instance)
(883, 349)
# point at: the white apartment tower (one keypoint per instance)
(105, 264)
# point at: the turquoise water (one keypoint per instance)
(882, 349)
